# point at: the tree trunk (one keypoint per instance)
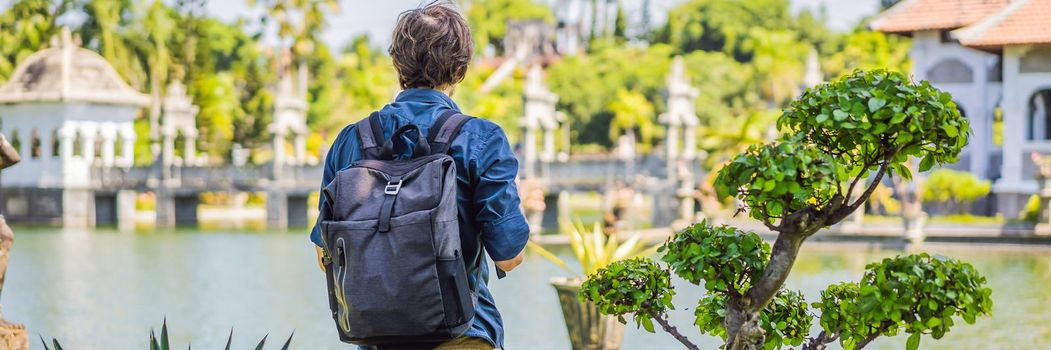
(742, 314)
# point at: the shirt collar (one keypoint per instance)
(426, 96)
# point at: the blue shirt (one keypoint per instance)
(487, 196)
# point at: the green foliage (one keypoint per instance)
(956, 189)
(914, 294)
(488, 19)
(502, 105)
(593, 249)
(866, 49)
(1031, 212)
(725, 259)
(870, 119)
(587, 86)
(785, 320)
(721, 25)
(781, 178)
(637, 286)
(839, 314)
(778, 57)
(837, 134)
(25, 27)
(632, 111)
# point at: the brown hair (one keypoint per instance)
(431, 46)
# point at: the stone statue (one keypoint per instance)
(12, 336)
(1043, 181)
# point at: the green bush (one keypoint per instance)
(1031, 213)
(954, 190)
(842, 138)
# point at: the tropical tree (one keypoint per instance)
(631, 112)
(721, 25)
(778, 58)
(866, 125)
(866, 49)
(488, 20)
(587, 85)
(25, 27)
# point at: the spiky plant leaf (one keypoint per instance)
(57, 345)
(43, 342)
(164, 335)
(153, 341)
(289, 341)
(230, 339)
(261, 343)
(546, 254)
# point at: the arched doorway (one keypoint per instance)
(16, 141)
(1038, 113)
(35, 144)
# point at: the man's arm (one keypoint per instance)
(504, 231)
(506, 265)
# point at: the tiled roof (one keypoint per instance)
(1020, 23)
(915, 15)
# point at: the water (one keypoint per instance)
(105, 290)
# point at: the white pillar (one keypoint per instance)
(548, 154)
(66, 136)
(529, 150)
(300, 146)
(672, 149)
(190, 148)
(127, 154)
(1014, 110)
(88, 134)
(279, 149)
(109, 139)
(168, 148)
(689, 142)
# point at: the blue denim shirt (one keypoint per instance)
(486, 169)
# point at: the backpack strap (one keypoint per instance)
(370, 132)
(445, 130)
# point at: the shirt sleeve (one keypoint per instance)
(335, 155)
(504, 230)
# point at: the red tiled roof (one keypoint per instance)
(1022, 22)
(915, 15)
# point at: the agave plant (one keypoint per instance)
(594, 249)
(162, 342)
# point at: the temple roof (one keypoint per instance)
(1022, 22)
(916, 15)
(66, 72)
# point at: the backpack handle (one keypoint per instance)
(421, 149)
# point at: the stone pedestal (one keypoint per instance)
(284, 210)
(78, 208)
(1043, 181)
(126, 210)
(552, 211)
(176, 209)
(914, 223)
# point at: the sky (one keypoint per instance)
(377, 17)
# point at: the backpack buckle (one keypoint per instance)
(393, 187)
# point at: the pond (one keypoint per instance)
(106, 290)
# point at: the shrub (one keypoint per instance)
(954, 190)
(842, 139)
(1031, 212)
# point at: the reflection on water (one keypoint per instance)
(105, 290)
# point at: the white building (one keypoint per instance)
(69, 112)
(991, 55)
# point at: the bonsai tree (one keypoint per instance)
(841, 139)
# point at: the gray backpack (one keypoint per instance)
(393, 260)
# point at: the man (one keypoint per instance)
(431, 48)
